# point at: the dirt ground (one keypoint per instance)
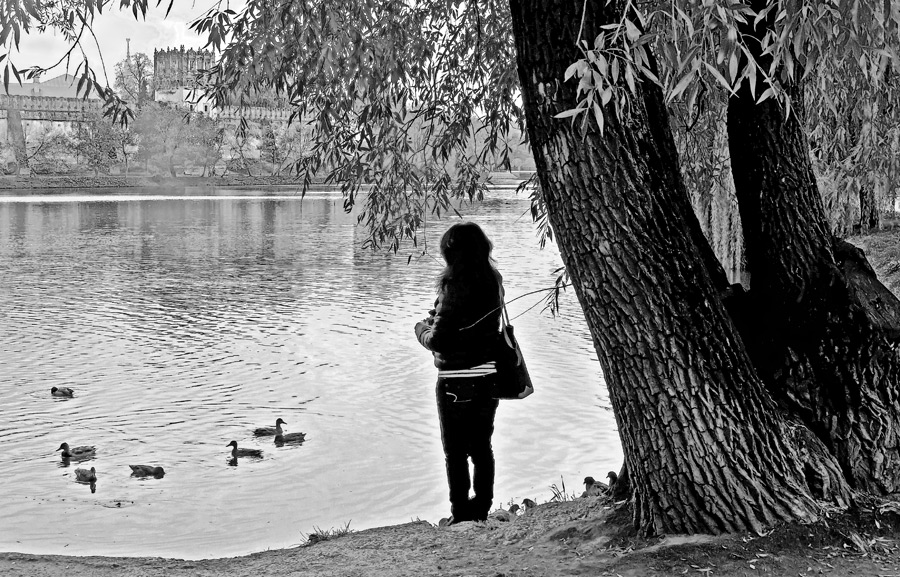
(587, 536)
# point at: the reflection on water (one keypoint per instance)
(183, 322)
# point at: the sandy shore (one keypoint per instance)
(582, 537)
(417, 548)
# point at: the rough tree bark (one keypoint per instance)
(705, 446)
(822, 330)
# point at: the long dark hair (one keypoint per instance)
(467, 251)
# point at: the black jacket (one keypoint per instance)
(463, 328)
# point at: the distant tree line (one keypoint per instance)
(161, 140)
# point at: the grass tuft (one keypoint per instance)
(318, 535)
(559, 493)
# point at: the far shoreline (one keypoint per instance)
(80, 181)
(83, 181)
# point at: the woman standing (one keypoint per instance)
(462, 333)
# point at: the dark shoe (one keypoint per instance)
(478, 510)
(460, 512)
(451, 520)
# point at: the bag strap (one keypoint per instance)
(504, 314)
(504, 322)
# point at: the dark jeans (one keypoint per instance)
(466, 429)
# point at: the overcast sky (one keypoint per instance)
(112, 28)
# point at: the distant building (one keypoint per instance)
(38, 107)
(49, 104)
(62, 86)
(175, 79)
(175, 73)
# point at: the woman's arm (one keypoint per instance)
(439, 331)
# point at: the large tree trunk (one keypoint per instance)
(821, 329)
(705, 446)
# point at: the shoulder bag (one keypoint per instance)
(513, 380)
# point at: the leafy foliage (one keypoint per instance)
(126, 142)
(208, 140)
(242, 142)
(97, 144)
(698, 46)
(45, 148)
(282, 143)
(854, 122)
(134, 79)
(164, 135)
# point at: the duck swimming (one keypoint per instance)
(85, 476)
(147, 471)
(62, 392)
(281, 438)
(235, 452)
(267, 431)
(77, 452)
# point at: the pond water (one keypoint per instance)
(184, 320)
